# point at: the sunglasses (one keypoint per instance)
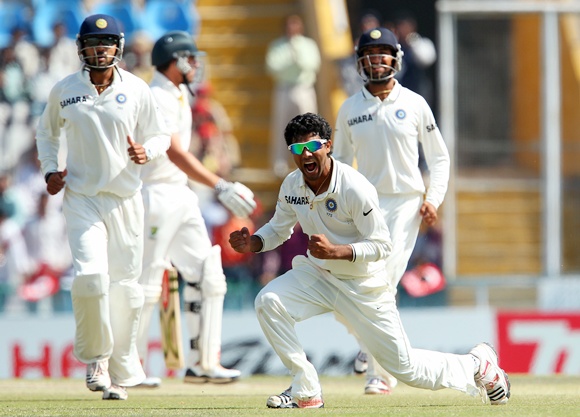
(107, 42)
(312, 146)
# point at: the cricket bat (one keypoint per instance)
(170, 319)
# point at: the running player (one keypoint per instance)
(112, 126)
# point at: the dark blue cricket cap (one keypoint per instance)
(100, 25)
(377, 36)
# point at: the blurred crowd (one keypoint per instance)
(35, 260)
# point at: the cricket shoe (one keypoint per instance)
(115, 392)
(150, 382)
(376, 386)
(314, 402)
(361, 363)
(283, 400)
(98, 378)
(490, 378)
(218, 375)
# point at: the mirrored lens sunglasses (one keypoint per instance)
(92, 42)
(311, 145)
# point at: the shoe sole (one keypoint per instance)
(280, 406)
(147, 385)
(295, 405)
(207, 379)
(377, 391)
(96, 388)
(117, 394)
(114, 397)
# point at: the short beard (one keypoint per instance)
(99, 69)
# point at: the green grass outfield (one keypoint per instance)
(531, 396)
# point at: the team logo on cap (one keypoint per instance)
(375, 34)
(101, 23)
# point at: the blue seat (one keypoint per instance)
(124, 12)
(160, 16)
(51, 12)
(12, 14)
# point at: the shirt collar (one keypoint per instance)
(86, 75)
(167, 84)
(393, 95)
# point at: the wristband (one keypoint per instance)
(221, 185)
(47, 175)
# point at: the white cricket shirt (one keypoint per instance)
(347, 213)
(96, 128)
(384, 137)
(176, 110)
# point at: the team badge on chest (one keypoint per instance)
(331, 205)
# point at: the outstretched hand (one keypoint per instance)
(136, 152)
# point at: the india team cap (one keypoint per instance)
(100, 25)
(377, 36)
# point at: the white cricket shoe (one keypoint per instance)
(283, 400)
(376, 386)
(115, 392)
(98, 378)
(490, 377)
(149, 382)
(219, 375)
(361, 363)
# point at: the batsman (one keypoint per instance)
(175, 232)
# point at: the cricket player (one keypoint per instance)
(174, 227)
(345, 272)
(383, 125)
(112, 127)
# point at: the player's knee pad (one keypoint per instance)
(213, 281)
(86, 286)
(210, 335)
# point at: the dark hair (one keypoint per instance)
(305, 125)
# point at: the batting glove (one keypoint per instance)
(236, 197)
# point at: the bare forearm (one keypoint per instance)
(193, 167)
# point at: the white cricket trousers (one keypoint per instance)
(105, 233)
(401, 213)
(174, 230)
(307, 290)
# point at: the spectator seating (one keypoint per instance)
(160, 16)
(12, 14)
(70, 13)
